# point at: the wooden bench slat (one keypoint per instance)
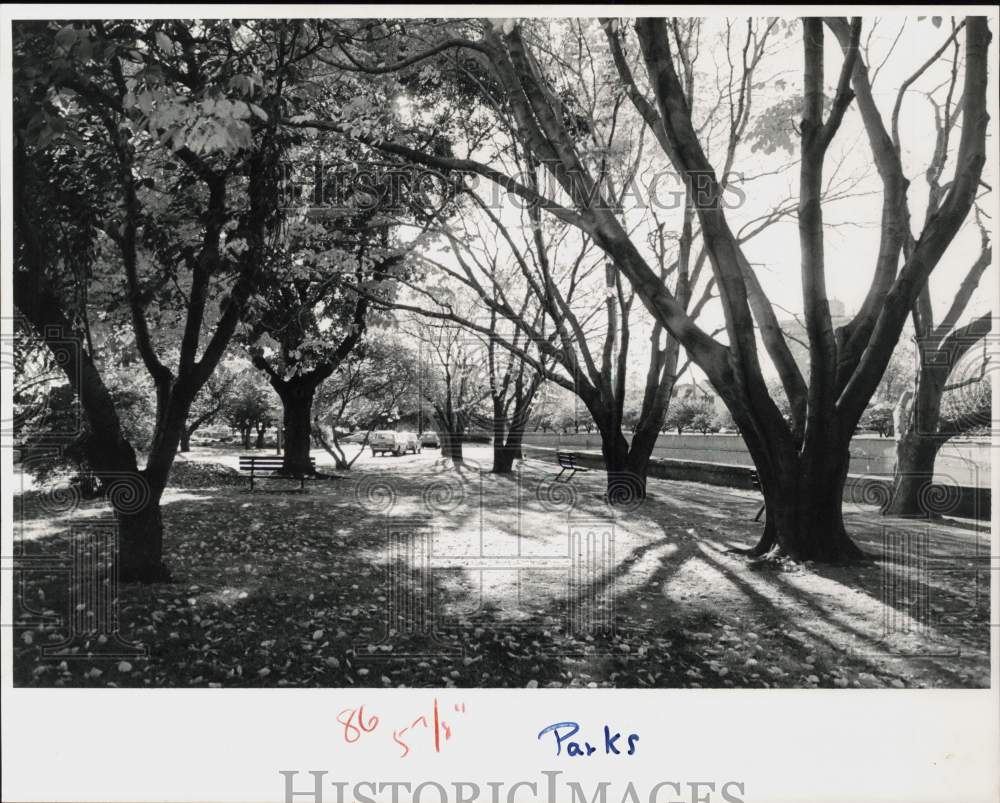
(569, 460)
(260, 461)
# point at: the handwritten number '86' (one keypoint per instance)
(353, 729)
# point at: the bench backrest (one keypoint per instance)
(273, 462)
(566, 459)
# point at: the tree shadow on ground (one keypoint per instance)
(368, 582)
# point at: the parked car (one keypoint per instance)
(430, 438)
(396, 443)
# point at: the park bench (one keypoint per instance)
(568, 462)
(263, 468)
(755, 481)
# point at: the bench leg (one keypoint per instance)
(559, 475)
(760, 512)
(251, 480)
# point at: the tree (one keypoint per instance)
(376, 382)
(925, 420)
(690, 413)
(250, 409)
(211, 402)
(513, 385)
(802, 464)
(313, 310)
(559, 311)
(455, 381)
(702, 420)
(36, 373)
(626, 462)
(305, 326)
(678, 417)
(137, 141)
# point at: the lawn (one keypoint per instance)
(408, 573)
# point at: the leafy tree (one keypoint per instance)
(250, 409)
(703, 419)
(313, 309)
(151, 148)
(630, 418)
(305, 325)
(54, 438)
(690, 413)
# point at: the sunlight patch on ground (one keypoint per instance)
(227, 596)
(699, 584)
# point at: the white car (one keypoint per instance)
(395, 443)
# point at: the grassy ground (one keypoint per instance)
(407, 572)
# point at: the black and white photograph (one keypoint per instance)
(434, 348)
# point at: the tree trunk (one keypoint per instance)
(502, 462)
(192, 427)
(261, 431)
(136, 498)
(644, 438)
(508, 450)
(298, 430)
(451, 446)
(916, 454)
(296, 401)
(637, 471)
(140, 541)
(245, 436)
(803, 497)
(334, 449)
(515, 440)
(923, 430)
(624, 486)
